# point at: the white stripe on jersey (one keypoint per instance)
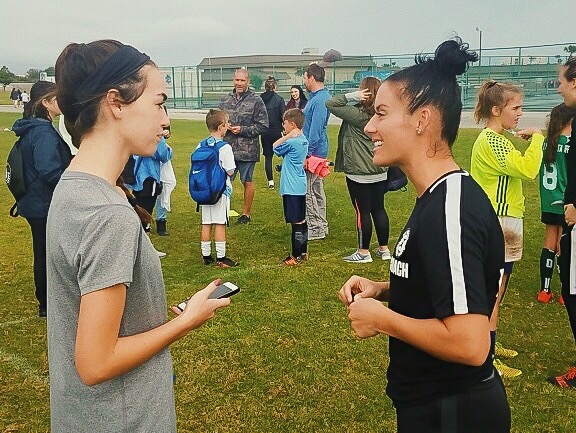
(454, 241)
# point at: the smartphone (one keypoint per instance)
(224, 290)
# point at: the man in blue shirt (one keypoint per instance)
(315, 120)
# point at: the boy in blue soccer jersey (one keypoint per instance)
(293, 147)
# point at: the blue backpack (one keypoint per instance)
(207, 180)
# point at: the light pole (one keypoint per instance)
(480, 49)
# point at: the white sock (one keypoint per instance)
(220, 249)
(206, 248)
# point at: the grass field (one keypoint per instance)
(282, 357)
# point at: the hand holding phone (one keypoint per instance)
(224, 290)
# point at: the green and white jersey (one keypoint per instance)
(553, 179)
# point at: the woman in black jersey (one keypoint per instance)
(445, 268)
(566, 260)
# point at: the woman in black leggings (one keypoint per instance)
(366, 182)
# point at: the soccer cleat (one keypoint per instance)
(567, 380)
(545, 297)
(243, 219)
(504, 371)
(358, 258)
(290, 261)
(208, 260)
(302, 257)
(225, 262)
(502, 352)
(561, 300)
(383, 254)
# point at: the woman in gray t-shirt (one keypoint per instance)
(108, 336)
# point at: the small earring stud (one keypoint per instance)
(418, 131)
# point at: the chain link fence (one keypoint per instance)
(533, 68)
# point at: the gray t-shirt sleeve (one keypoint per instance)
(108, 248)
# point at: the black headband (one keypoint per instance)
(119, 66)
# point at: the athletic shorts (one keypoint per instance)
(246, 169)
(216, 213)
(294, 208)
(481, 409)
(513, 230)
(552, 219)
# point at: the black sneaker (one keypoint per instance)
(243, 219)
(225, 262)
(208, 260)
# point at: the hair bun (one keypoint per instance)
(453, 57)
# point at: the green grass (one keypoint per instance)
(282, 357)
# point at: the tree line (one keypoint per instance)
(32, 75)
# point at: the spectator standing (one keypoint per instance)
(315, 122)
(275, 107)
(45, 157)
(248, 119)
(14, 97)
(216, 215)
(297, 98)
(293, 147)
(25, 99)
(168, 181)
(365, 181)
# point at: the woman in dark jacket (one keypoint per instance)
(45, 156)
(297, 98)
(275, 107)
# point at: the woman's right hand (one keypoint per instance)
(199, 309)
(360, 287)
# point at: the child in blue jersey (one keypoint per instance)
(293, 147)
(553, 180)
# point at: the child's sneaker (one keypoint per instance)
(290, 261)
(504, 371)
(225, 262)
(503, 352)
(208, 260)
(358, 258)
(567, 380)
(545, 297)
(383, 254)
(270, 184)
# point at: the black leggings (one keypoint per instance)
(268, 138)
(38, 227)
(483, 408)
(368, 202)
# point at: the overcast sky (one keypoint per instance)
(183, 32)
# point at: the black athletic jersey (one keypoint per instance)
(447, 261)
(570, 192)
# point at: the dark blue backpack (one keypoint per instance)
(207, 180)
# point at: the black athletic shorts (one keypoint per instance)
(552, 219)
(294, 208)
(481, 409)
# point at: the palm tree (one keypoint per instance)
(570, 49)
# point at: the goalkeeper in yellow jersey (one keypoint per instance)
(499, 168)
